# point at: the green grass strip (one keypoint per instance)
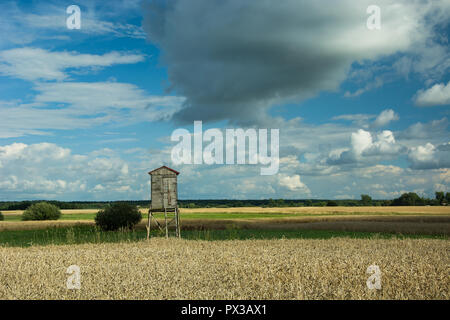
(90, 234)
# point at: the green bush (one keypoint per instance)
(41, 211)
(118, 216)
(1, 216)
(332, 203)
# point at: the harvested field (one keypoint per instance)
(392, 224)
(429, 224)
(328, 210)
(251, 269)
(435, 210)
(33, 225)
(65, 211)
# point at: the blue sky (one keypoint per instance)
(86, 113)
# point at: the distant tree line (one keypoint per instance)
(406, 199)
(413, 199)
(23, 205)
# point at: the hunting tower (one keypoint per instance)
(164, 195)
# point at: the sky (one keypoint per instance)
(86, 113)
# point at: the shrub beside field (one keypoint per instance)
(41, 211)
(118, 216)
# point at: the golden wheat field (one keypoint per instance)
(251, 269)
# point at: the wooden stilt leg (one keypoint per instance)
(148, 229)
(148, 225)
(178, 223)
(167, 227)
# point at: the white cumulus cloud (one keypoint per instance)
(437, 95)
(384, 118)
(430, 156)
(293, 183)
(46, 170)
(39, 64)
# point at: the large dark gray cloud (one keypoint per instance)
(234, 59)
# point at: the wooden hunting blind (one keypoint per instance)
(164, 197)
